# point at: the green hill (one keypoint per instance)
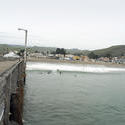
(4, 48)
(117, 50)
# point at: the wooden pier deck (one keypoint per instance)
(4, 65)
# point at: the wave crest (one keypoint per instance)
(73, 67)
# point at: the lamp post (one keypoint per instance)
(25, 52)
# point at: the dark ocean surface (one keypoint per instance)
(71, 97)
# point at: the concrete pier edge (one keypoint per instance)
(12, 83)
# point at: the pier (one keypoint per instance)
(12, 81)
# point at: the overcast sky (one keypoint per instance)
(84, 24)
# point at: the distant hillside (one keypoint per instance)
(5, 48)
(114, 50)
(117, 50)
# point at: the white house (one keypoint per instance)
(11, 54)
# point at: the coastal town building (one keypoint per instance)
(85, 58)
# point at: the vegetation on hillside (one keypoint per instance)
(4, 48)
(118, 50)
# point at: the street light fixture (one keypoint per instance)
(25, 52)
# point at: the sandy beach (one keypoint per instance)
(47, 60)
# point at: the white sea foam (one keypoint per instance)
(72, 67)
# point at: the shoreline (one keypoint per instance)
(47, 60)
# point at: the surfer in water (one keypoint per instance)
(59, 71)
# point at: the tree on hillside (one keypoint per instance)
(92, 55)
(78, 54)
(53, 52)
(47, 53)
(61, 51)
(122, 54)
(36, 51)
(58, 51)
(108, 55)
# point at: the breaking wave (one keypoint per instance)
(73, 67)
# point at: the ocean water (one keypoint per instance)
(57, 94)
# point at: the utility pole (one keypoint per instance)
(25, 52)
